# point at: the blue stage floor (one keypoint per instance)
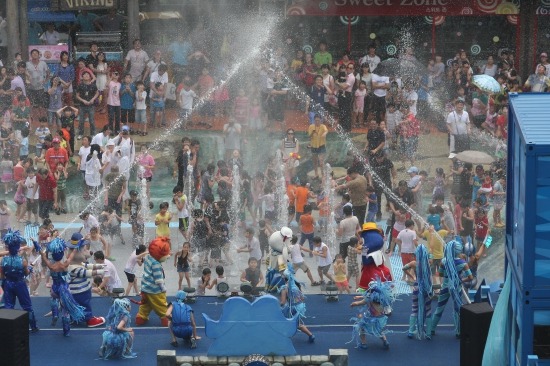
(328, 321)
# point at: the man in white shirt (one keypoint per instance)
(345, 98)
(458, 125)
(50, 36)
(251, 246)
(111, 279)
(159, 76)
(411, 96)
(102, 138)
(39, 73)
(380, 86)
(370, 58)
(89, 221)
(126, 144)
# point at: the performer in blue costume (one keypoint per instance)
(182, 321)
(292, 301)
(372, 257)
(422, 294)
(454, 270)
(13, 270)
(119, 336)
(62, 302)
(373, 319)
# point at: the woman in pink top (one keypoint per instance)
(146, 166)
(113, 102)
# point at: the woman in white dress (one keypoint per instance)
(101, 72)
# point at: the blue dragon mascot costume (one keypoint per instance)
(13, 271)
(118, 339)
(62, 301)
(372, 257)
(422, 296)
(455, 271)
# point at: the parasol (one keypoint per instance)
(475, 157)
(486, 83)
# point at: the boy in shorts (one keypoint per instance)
(324, 259)
(180, 200)
(141, 108)
(298, 261)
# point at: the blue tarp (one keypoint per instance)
(51, 16)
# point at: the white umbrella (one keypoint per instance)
(486, 83)
(475, 157)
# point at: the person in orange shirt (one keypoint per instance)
(307, 228)
(324, 212)
(56, 154)
(291, 194)
(302, 194)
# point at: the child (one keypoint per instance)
(434, 218)
(359, 104)
(399, 225)
(180, 200)
(408, 242)
(354, 248)
(435, 247)
(119, 336)
(133, 205)
(307, 228)
(324, 259)
(130, 269)
(113, 102)
(182, 321)
(181, 262)
(20, 199)
(67, 116)
(264, 232)
(199, 231)
(373, 318)
(218, 280)
(241, 108)
(486, 190)
(127, 99)
(254, 115)
(269, 204)
(141, 108)
(6, 172)
(373, 204)
(393, 119)
(185, 101)
(35, 261)
(60, 176)
(55, 93)
(204, 282)
(298, 260)
(5, 215)
(253, 274)
(41, 132)
(21, 116)
(324, 211)
(481, 223)
(96, 242)
(439, 185)
(499, 197)
(157, 102)
(340, 275)
(24, 144)
(162, 220)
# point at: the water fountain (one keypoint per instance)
(329, 194)
(280, 194)
(141, 186)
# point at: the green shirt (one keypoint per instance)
(61, 182)
(322, 58)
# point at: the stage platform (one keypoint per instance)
(329, 321)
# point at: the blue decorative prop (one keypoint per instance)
(245, 328)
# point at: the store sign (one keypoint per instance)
(49, 53)
(83, 4)
(402, 7)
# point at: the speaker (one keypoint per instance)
(14, 337)
(475, 320)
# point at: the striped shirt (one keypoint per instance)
(153, 276)
(79, 280)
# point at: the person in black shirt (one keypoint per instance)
(375, 139)
(86, 94)
(385, 170)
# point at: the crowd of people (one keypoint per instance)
(395, 108)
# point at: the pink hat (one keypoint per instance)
(56, 140)
(544, 54)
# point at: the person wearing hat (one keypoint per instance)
(80, 285)
(372, 258)
(107, 160)
(181, 321)
(47, 193)
(539, 81)
(458, 125)
(56, 154)
(126, 143)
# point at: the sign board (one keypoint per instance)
(49, 53)
(73, 5)
(402, 7)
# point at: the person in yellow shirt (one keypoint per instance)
(162, 220)
(435, 246)
(317, 133)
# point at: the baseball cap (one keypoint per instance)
(125, 128)
(459, 100)
(110, 143)
(412, 169)
(544, 54)
(56, 140)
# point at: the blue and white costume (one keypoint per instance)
(181, 317)
(117, 343)
(422, 296)
(13, 274)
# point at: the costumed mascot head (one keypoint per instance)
(154, 298)
(279, 242)
(57, 248)
(78, 242)
(372, 257)
(13, 241)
